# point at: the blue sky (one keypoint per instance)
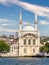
(10, 11)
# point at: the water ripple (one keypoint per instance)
(29, 61)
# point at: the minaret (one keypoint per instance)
(20, 34)
(36, 22)
(20, 22)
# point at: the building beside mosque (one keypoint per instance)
(28, 40)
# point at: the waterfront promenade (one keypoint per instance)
(15, 55)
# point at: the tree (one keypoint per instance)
(4, 47)
(47, 44)
(4, 36)
(45, 48)
(42, 49)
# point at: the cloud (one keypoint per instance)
(3, 0)
(25, 23)
(5, 24)
(43, 22)
(41, 11)
(5, 20)
(7, 30)
(6, 1)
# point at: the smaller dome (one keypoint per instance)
(29, 28)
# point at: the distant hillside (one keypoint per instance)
(44, 38)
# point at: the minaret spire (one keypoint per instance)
(20, 15)
(36, 22)
(20, 21)
(36, 17)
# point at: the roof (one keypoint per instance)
(29, 28)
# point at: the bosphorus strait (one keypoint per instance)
(24, 61)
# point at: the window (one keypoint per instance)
(34, 50)
(24, 41)
(29, 42)
(15, 47)
(24, 50)
(33, 41)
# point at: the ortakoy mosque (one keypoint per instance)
(28, 40)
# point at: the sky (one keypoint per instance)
(10, 11)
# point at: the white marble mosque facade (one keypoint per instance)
(28, 42)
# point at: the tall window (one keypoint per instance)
(34, 42)
(24, 41)
(29, 42)
(34, 50)
(24, 50)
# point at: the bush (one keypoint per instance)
(4, 47)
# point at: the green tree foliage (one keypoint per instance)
(47, 44)
(4, 36)
(41, 49)
(45, 48)
(4, 47)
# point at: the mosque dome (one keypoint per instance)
(29, 28)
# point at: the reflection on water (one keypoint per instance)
(24, 61)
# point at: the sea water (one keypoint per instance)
(24, 61)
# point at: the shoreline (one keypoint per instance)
(24, 56)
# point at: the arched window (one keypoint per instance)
(34, 50)
(34, 42)
(29, 42)
(24, 41)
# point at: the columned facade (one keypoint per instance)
(29, 45)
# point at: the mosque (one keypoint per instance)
(28, 40)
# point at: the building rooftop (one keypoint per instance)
(29, 28)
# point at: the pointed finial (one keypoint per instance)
(36, 22)
(20, 15)
(36, 17)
